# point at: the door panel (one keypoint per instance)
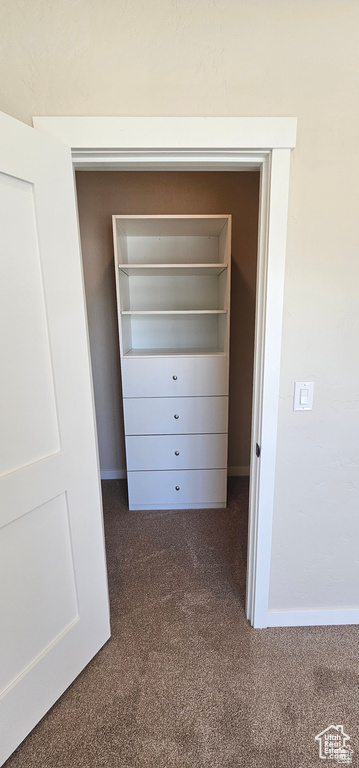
(29, 423)
(53, 587)
(35, 552)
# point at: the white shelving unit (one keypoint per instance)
(173, 299)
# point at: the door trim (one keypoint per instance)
(219, 143)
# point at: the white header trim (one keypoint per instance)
(171, 132)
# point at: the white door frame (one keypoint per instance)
(218, 143)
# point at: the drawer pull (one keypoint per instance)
(177, 487)
(174, 378)
(176, 453)
(176, 416)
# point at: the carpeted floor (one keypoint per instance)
(184, 682)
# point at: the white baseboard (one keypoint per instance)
(113, 474)
(326, 617)
(121, 474)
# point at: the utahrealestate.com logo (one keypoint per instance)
(333, 745)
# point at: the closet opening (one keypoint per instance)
(220, 535)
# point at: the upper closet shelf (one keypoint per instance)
(165, 270)
(179, 225)
(173, 312)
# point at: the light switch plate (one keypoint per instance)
(303, 395)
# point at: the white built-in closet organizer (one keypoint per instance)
(173, 298)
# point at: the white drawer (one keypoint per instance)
(175, 415)
(198, 486)
(176, 452)
(174, 376)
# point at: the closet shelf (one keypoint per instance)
(165, 270)
(174, 312)
(176, 352)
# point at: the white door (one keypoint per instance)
(53, 588)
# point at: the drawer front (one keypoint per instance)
(175, 416)
(174, 376)
(201, 486)
(148, 452)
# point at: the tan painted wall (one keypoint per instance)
(100, 194)
(245, 57)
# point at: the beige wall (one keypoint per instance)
(100, 194)
(240, 57)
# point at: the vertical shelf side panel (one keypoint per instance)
(228, 257)
(117, 259)
(121, 244)
(126, 334)
(222, 243)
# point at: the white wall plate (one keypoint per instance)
(303, 396)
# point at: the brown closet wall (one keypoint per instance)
(102, 193)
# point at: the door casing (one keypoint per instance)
(219, 143)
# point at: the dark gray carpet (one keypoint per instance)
(185, 682)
